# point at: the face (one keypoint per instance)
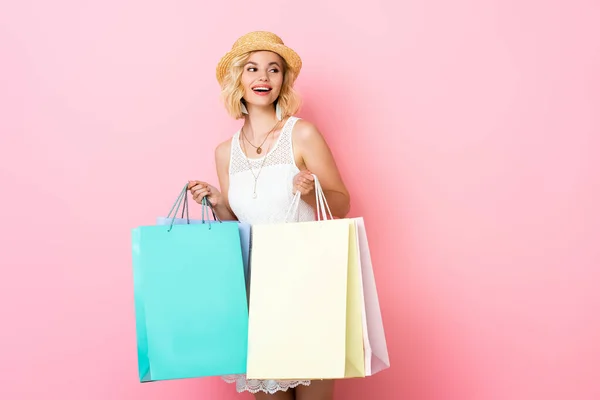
(262, 78)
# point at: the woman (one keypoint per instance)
(270, 158)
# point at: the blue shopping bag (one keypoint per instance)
(190, 299)
(245, 231)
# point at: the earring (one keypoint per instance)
(244, 109)
(278, 111)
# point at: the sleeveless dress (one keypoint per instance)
(274, 194)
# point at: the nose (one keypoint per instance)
(263, 76)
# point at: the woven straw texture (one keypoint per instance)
(256, 41)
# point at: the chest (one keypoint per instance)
(262, 197)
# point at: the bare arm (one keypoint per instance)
(313, 153)
(223, 209)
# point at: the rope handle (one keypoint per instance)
(183, 198)
(323, 210)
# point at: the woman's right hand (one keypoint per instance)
(200, 189)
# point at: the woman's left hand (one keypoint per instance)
(304, 182)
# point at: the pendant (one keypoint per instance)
(254, 195)
(258, 150)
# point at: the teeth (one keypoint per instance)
(261, 89)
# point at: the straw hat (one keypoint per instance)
(256, 41)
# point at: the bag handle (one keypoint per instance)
(183, 198)
(207, 204)
(294, 206)
(321, 203)
(175, 208)
(185, 209)
(323, 209)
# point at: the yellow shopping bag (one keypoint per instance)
(305, 317)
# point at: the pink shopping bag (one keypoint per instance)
(375, 346)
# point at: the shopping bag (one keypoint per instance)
(374, 342)
(375, 346)
(305, 301)
(245, 231)
(190, 300)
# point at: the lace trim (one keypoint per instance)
(280, 154)
(254, 386)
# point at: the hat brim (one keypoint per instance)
(292, 59)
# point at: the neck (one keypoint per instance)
(259, 121)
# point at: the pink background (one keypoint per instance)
(468, 133)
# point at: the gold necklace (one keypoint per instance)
(259, 148)
(254, 195)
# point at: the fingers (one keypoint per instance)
(199, 191)
(196, 185)
(308, 186)
(191, 184)
(304, 182)
(307, 175)
(304, 186)
(301, 180)
(303, 191)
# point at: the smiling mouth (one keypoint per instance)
(261, 89)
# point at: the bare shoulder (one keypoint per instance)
(307, 135)
(222, 150)
(306, 131)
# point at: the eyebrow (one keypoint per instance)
(271, 63)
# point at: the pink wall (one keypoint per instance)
(481, 120)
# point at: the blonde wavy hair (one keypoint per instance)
(232, 90)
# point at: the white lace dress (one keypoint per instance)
(274, 195)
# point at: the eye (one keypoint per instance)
(274, 70)
(251, 69)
